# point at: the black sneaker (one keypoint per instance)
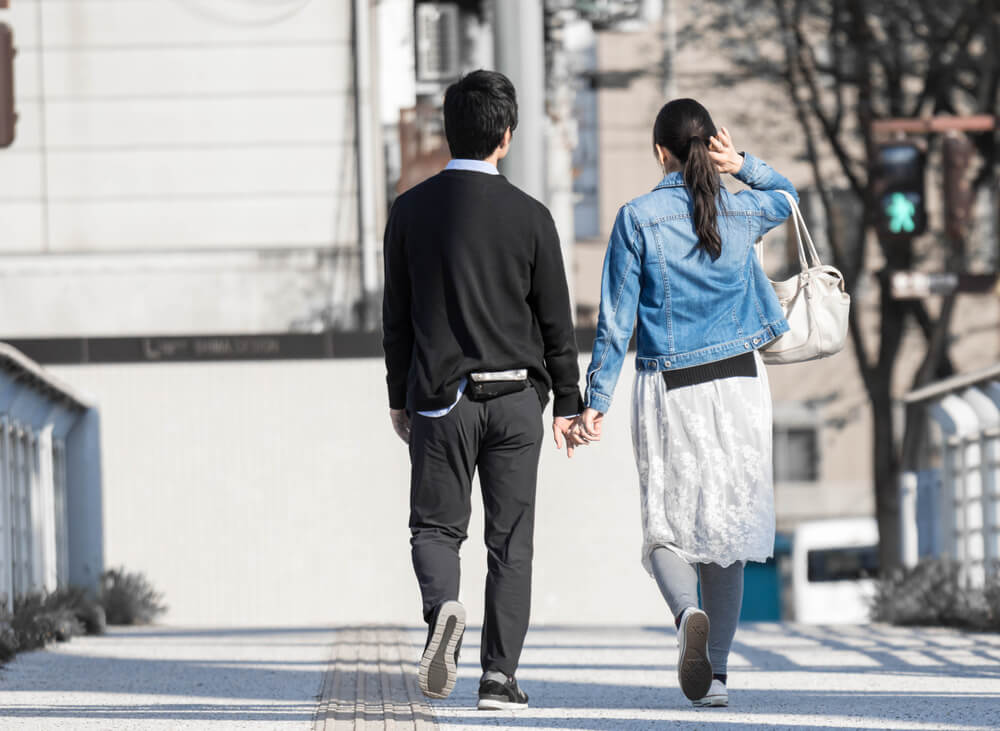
(439, 663)
(497, 696)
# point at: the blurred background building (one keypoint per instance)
(190, 230)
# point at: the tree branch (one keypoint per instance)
(804, 67)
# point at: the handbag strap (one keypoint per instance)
(808, 256)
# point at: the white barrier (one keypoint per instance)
(966, 409)
(43, 471)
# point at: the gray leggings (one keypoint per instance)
(721, 596)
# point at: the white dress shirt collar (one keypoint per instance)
(479, 166)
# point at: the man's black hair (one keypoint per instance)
(478, 109)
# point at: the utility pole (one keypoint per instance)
(540, 161)
(562, 138)
(519, 46)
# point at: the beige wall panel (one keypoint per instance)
(20, 228)
(192, 72)
(189, 172)
(20, 180)
(194, 22)
(26, 69)
(27, 133)
(224, 122)
(163, 294)
(204, 222)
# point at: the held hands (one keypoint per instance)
(582, 430)
(723, 153)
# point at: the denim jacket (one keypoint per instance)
(690, 309)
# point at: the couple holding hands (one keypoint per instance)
(477, 331)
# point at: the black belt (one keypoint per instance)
(743, 365)
(490, 385)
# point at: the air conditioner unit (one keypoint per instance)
(438, 41)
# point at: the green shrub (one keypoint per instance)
(129, 598)
(87, 611)
(36, 623)
(932, 593)
(40, 618)
(8, 640)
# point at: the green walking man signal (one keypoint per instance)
(899, 183)
(901, 213)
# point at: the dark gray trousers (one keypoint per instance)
(501, 438)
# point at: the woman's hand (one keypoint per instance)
(586, 428)
(723, 154)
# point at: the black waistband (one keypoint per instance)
(739, 366)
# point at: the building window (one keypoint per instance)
(796, 445)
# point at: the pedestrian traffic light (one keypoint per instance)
(8, 117)
(899, 187)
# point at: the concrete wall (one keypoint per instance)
(276, 493)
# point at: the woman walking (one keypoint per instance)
(681, 264)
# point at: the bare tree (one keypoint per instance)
(844, 64)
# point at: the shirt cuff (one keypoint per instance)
(568, 405)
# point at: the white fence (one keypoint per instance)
(966, 508)
(44, 425)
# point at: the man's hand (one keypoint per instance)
(400, 423)
(723, 153)
(560, 430)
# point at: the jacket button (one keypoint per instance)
(746, 345)
(666, 364)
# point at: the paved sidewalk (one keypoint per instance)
(164, 678)
(781, 676)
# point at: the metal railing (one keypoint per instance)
(50, 482)
(966, 510)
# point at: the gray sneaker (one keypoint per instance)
(694, 671)
(439, 663)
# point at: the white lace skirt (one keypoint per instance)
(705, 472)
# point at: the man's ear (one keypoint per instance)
(504, 146)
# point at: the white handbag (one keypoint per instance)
(815, 303)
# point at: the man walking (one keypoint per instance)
(476, 330)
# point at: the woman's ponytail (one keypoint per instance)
(684, 126)
(702, 181)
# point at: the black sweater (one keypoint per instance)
(474, 281)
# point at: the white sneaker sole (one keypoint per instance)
(694, 670)
(438, 671)
(713, 701)
(487, 704)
